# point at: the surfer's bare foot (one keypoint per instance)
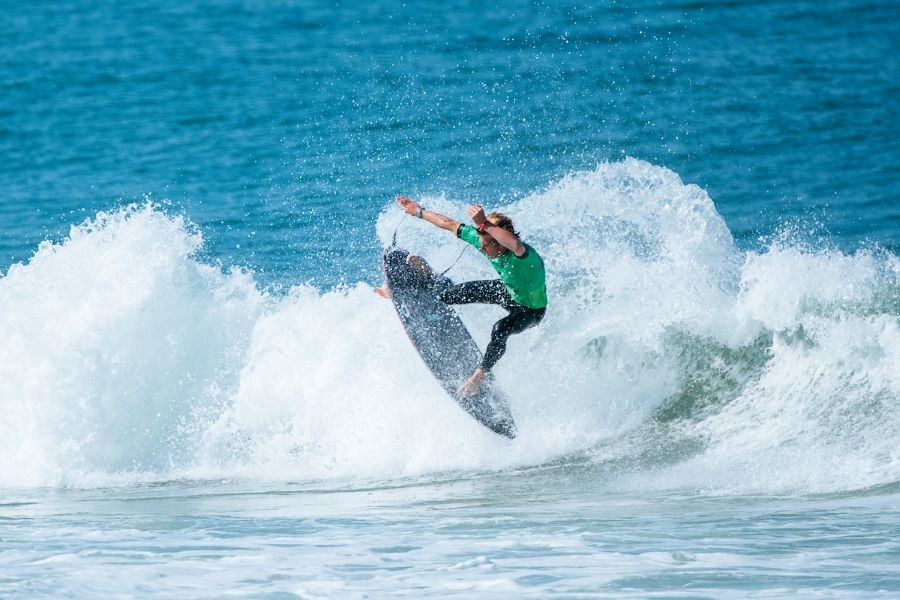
(383, 292)
(419, 265)
(473, 383)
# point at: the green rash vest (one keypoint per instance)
(523, 276)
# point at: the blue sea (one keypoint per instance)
(202, 396)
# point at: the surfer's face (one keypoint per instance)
(490, 246)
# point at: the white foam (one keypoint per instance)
(128, 358)
(119, 345)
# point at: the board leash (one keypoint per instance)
(394, 237)
(444, 272)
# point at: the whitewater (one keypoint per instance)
(130, 359)
(171, 413)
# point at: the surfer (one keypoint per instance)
(521, 289)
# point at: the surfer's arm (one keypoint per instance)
(412, 207)
(504, 238)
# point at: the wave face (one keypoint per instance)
(668, 357)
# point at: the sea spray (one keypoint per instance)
(668, 358)
(710, 367)
(118, 345)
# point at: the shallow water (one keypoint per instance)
(552, 533)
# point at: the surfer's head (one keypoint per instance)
(491, 247)
(501, 220)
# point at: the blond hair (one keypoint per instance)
(502, 221)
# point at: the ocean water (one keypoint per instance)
(203, 397)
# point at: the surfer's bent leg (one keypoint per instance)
(491, 291)
(518, 320)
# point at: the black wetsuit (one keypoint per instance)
(494, 291)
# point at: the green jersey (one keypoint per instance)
(523, 276)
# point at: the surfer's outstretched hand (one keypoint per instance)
(476, 213)
(411, 207)
(408, 205)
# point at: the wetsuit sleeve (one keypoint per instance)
(469, 234)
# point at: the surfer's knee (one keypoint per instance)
(418, 264)
(500, 330)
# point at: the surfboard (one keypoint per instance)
(443, 342)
